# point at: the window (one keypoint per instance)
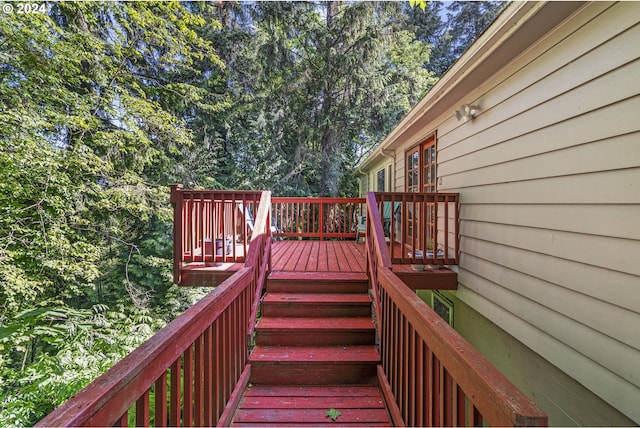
(381, 180)
(413, 170)
(429, 166)
(421, 167)
(442, 306)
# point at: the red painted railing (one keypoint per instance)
(193, 371)
(322, 218)
(212, 226)
(423, 227)
(187, 373)
(430, 375)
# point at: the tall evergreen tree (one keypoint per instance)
(467, 20)
(450, 37)
(332, 78)
(87, 148)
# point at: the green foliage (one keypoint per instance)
(333, 414)
(75, 346)
(88, 146)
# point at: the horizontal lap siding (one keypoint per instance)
(549, 180)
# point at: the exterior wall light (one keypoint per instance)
(466, 112)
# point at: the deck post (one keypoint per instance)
(176, 201)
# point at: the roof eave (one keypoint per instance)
(495, 48)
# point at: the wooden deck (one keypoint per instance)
(315, 357)
(320, 257)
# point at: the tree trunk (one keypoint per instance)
(330, 143)
(330, 163)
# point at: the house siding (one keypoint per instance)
(549, 179)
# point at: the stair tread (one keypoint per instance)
(317, 416)
(318, 276)
(317, 354)
(333, 323)
(312, 391)
(328, 298)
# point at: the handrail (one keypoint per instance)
(259, 256)
(190, 368)
(377, 254)
(322, 218)
(434, 377)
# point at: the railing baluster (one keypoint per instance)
(404, 363)
(237, 337)
(233, 339)
(447, 393)
(388, 338)
(234, 228)
(225, 372)
(123, 421)
(175, 394)
(199, 383)
(160, 411)
(142, 410)
(431, 387)
(435, 235)
(321, 220)
(446, 231)
(217, 350)
(423, 226)
(188, 387)
(458, 405)
(193, 225)
(411, 378)
(289, 220)
(201, 227)
(208, 376)
(420, 383)
(393, 338)
(440, 397)
(454, 200)
(474, 416)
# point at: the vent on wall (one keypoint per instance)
(442, 306)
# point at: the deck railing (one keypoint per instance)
(193, 370)
(321, 218)
(430, 375)
(420, 228)
(187, 373)
(212, 226)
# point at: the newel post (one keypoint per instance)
(176, 201)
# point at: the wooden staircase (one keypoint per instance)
(314, 352)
